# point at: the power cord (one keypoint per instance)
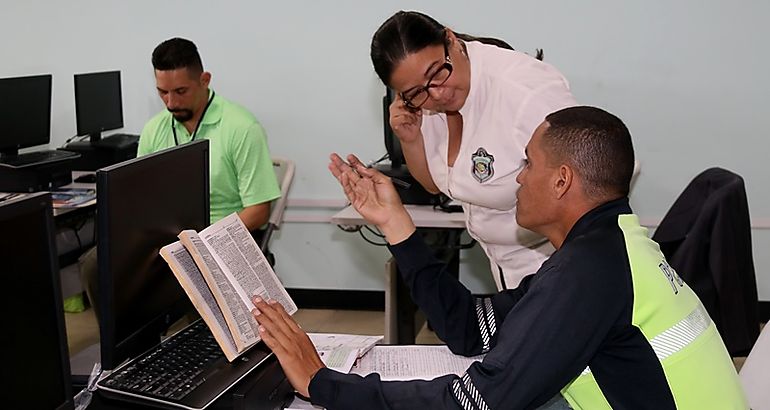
(360, 232)
(82, 137)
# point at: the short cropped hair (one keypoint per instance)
(176, 53)
(597, 144)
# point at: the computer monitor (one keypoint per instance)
(35, 363)
(25, 112)
(98, 103)
(392, 145)
(142, 205)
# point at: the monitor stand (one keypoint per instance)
(100, 152)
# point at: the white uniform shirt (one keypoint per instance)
(510, 95)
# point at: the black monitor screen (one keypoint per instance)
(98, 103)
(25, 112)
(392, 145)
(142, 205)
(35, 363)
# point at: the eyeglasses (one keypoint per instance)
(416, 98)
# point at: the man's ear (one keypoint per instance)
(205, 78)
(564, 179)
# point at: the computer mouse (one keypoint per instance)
(86, 179)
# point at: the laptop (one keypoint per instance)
(187, 370)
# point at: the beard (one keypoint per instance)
(182, 114)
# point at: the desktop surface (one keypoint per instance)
(424, 216)
(36, 158)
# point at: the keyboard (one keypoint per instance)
(37, 158)
(187, 370)
(117, 141)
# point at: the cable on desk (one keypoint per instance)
(82, 137)
(349, 228)
(444, 205)
(76, 229)
(376, 233)
(360, 232)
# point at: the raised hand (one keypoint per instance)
(291, 345)
(405, 123)
(372, 194)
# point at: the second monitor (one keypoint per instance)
(98, 103)
(99, 108)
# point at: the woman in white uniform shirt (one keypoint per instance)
(463, 114)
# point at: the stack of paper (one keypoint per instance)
(423, 362)
(339, 352)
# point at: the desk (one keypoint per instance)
(86, 207)
(75, 226)
(73, 219)
(399, 307)
(424, 216)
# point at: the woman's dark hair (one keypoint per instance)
(407, 32)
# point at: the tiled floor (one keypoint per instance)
(83, 331)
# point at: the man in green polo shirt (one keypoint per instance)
(242, 176)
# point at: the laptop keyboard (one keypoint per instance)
(37, 157)
(117, 141)
(172, 370)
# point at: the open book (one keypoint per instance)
(221, 268)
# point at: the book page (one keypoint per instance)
(189, 276)
(340, 351)
(240, 321)
(243, 263)
(423, 362)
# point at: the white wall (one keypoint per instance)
(688, 77)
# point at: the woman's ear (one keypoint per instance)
(450, 35)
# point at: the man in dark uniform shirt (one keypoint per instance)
(604, 323)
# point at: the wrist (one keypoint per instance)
(398, 228)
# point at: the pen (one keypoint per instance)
(403, 184)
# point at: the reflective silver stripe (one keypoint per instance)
(677, 337)
(460, 395)
(486, 318)
(681, 334)
(490, 317)
(467, 395)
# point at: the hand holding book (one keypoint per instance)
(221, 269)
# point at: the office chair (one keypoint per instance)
(284, 171)
(706, 237)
